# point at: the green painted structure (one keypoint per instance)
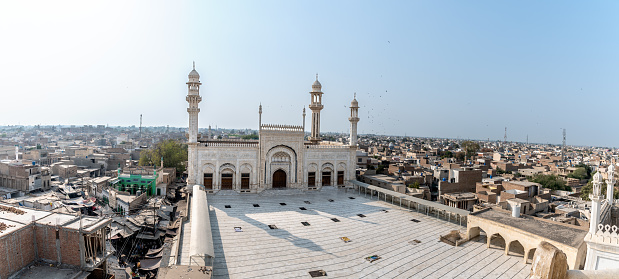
(133, 183)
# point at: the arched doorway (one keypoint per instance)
(279, 179)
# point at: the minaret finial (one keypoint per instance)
(194, 65)
(316, 76)
(355, 95)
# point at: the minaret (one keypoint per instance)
(596, 198)
(260, 117)
(303, 122)
(193, 98)
(610, 184)
(354, 118)
(316, 107)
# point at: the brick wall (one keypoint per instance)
(16, 251)
(70, 247)
(46, 243)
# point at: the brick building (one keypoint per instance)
(28, 236)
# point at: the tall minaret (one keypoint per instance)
(610, 183)
(193, 98)
(596, 198)
(354, 118)
(316, 107)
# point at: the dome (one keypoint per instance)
(354, 102)
(193, 72)
(316, 86)
(597, 177)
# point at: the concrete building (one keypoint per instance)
(23, 177)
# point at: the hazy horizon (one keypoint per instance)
(445, 69)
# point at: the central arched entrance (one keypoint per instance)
(279, 179)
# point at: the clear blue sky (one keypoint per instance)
(451, 69)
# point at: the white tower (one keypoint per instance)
(193, 98)
(354, 118)
(610, 184)
(596, 198)
(316, 107)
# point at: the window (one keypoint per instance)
(208, 180)
(311, 179)
(359, 160)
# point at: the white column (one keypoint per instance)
(595, 213)
(610, 184)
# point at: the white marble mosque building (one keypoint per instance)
(280, 158)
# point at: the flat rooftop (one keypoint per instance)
(563, 234)
(293, 249)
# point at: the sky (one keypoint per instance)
(454, 69)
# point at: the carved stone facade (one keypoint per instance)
(280, 158)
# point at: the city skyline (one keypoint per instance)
(491, 65)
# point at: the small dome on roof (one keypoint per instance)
(193, 72)
(316, 86)
(354, 102)
(597, 177)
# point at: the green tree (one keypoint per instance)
(586, 190)
(579, 173)
(253, 136)
(174, 154)
(551, 181)
(380, 169)
(470, 148)
(414, 185)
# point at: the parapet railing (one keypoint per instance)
(277, 127)
(229, 144)
(420, 205)
(317, 146)
(605, 234)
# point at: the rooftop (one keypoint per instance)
(405, 247)
(571, 236)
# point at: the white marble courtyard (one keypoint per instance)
(293, 250)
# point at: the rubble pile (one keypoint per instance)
(4, 226)
(12, 209)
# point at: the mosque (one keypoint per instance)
(280, 158)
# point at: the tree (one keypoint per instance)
(253, 137)
(470, 148)
(174, 154)
(551, 181)
(586, 190)
(414, 185)
(579, 173)
(380, 169)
